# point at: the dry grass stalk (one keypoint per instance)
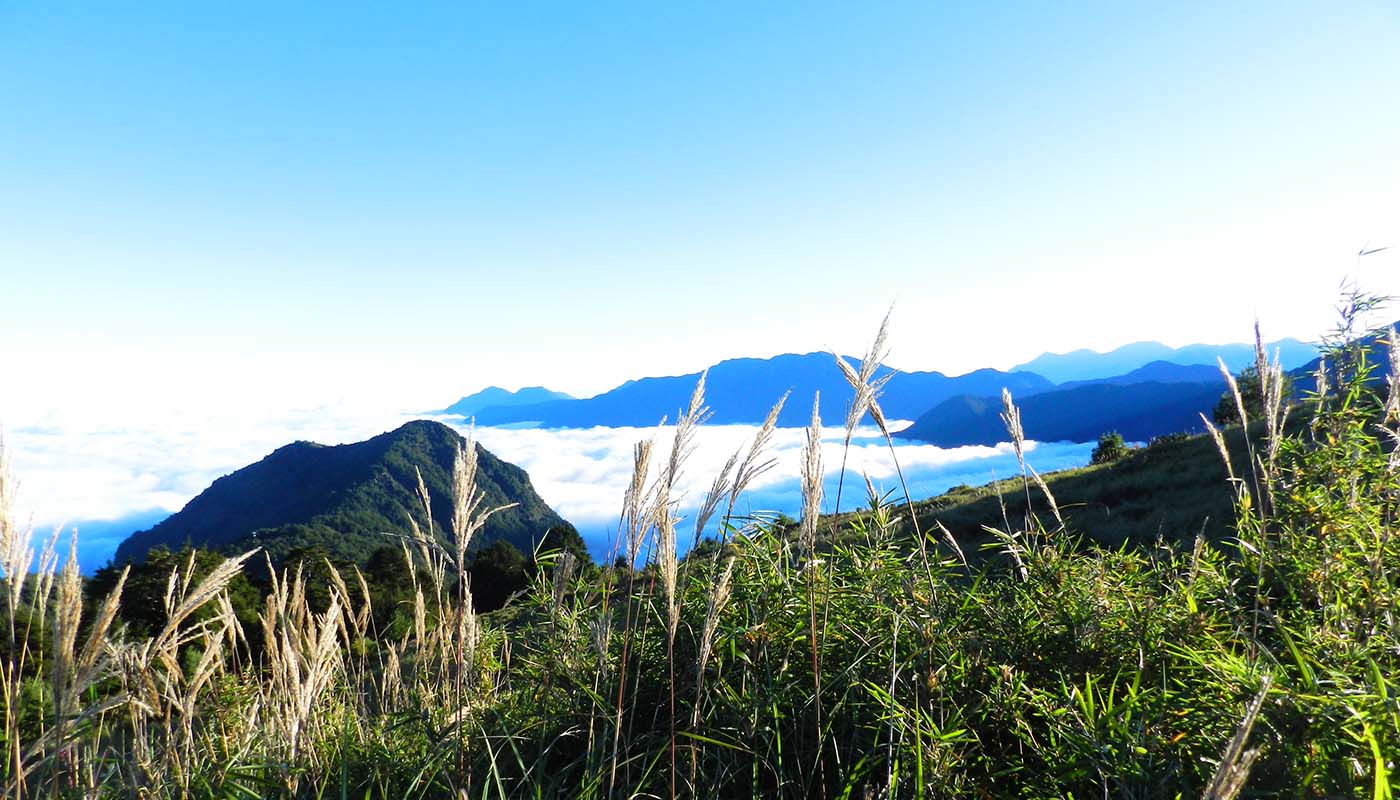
(90, 663)
(1273, 408)
(664, 520)
(303, 658)
(1320, 377)
(667, 564)
(867, 387)
(1232, 774)
(717, 491)
(45, 575)
(1234, 387)
(867, 391)
(563, 574)
(365, 615)
(16, 554)
(637, 501)
(755, 463)
(1389, 426)
(1219, 440)
(952, 541)
(719, 597)
(68, 611)
(155, 685)
(1011, 418)
(468, 516)
(664, 516)
(811, 480)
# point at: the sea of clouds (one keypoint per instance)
(112, 477)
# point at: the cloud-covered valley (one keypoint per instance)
(111, 478)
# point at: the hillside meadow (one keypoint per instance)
(1004, 641)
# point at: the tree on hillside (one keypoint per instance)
(496, 573)
(1111, 447)
(143, 607)
(1227, 413)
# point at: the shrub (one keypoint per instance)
(1167, 439)
(1111, 447)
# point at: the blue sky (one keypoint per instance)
(287, 205)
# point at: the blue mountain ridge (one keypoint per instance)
(742, 390)
(1139, 411)
(496, 397)
(1087, 365)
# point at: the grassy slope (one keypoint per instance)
(1173, 490)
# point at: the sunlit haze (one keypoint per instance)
(240, 221)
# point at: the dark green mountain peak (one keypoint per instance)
(346, 497)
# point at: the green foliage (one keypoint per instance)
(1111, 447)
(497, 572)
(143, 609)
(561, 539)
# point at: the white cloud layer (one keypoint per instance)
(115, 476)
(583, 473)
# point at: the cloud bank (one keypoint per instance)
(113, 477)
(584, 473)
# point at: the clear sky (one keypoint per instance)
(291, 204)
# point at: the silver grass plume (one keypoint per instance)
(756, 461)
(1392, 400)
(16, 554)
(1219, 440)
(665, 518)
(1271, 396)
(1389, 426)
(464, 497)
(1011, 418)
(67, 617)
(637, 500)
(718, 489)
(867, 387)
(812, 479)
(468, 517)
(90, 661)
(563, 574)
(1234, 391)
(48, 569)
(719, 597)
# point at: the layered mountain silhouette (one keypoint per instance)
(742, 390)
(1373, 347)
(1085, 365)
(346, 498)
(1139, 411)
(1143, 390)
(1156, 372)
(496, 397)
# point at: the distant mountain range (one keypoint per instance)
(496, 397)
(1143, 390)
(742, 390)
(345, 498)
(1156, 372)
(1139, 411)
(1088, 365)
